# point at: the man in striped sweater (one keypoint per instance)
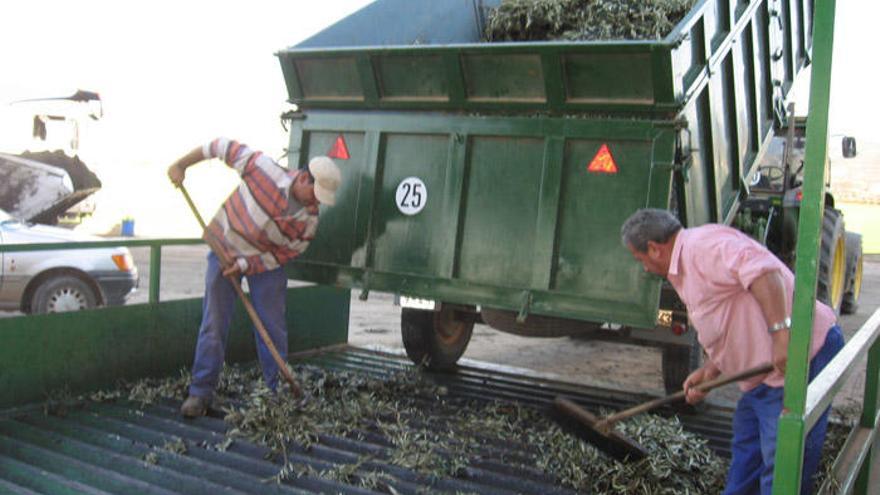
(268, 220)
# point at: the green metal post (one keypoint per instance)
(792, 427)
(869, 414)
(155, 271)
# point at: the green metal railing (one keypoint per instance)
(84, 351)
(803, 405)
(155, 246)
(851, 470)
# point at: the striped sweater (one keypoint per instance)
(260, 225)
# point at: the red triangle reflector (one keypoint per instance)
(603, 162)
(339, 149)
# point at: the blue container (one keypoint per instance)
(128, 227)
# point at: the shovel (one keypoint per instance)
(295, 389)
(600, 432)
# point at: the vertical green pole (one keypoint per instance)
(869, 414)
(155, 271)
(790, 439)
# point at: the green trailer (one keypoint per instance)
(488, 181)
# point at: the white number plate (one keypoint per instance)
(412, 195)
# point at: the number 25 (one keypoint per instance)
(413, 190)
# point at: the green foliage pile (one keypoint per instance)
(583, 20)
(422, 427)
(427, 430)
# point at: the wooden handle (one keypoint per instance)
(575, 411)
(612, 442)
(192, 206)
(608, 421)
(295, 389)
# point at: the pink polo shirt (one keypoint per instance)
(711, 269)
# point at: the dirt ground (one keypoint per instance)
(376, 322)
(631, 367)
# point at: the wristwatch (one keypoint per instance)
(786, 323)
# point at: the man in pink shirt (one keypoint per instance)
(739, 299)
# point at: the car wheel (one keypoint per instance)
(63, 293)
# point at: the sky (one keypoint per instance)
(173, 72)
(854, 102)
(173, 75)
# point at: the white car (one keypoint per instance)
(63, 279)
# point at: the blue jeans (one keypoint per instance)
(267, 291)
(754, 432)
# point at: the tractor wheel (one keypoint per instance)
(853, 274)
(436, 339)
(832, 261)
(678, 362)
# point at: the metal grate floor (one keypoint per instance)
(110, 448)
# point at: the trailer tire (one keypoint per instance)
(831, 278)
(853, 274)
(678, 362)
(436, 339)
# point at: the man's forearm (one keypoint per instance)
(769, 291)
(177, 170)
(190, 159)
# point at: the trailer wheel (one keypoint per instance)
(678, 362)
(832, 261)
(436, 338)
(853, 274)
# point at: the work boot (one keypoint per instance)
(194, 406)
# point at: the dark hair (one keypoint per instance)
(648, 224)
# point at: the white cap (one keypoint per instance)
(327, 179)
